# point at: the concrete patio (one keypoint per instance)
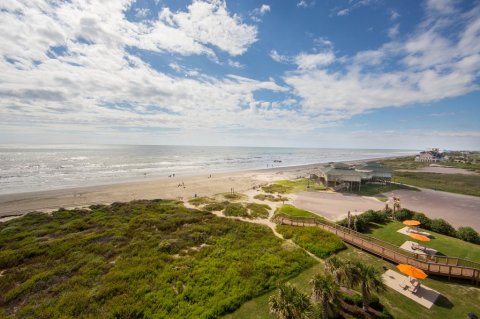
(427, 251)
(424, 295)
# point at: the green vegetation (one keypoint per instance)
(407, 162)
(319, 242)
(197, 201)
(301, 185)
(454, 183)
(458, 298)
(137, 260)
(276, 188)
(234, 196)
(446, 245)
(271, 198)
(292, 211)
(216, 207)
(236, 209)
(258, 210)
(468, 234)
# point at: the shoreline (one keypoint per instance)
(19, 204)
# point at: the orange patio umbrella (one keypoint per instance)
(419, 237)
(411, 222)
(412, 271)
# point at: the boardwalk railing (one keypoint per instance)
(437, 265)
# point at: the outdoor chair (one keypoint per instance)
(415, 285)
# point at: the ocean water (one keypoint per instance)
(36, 168)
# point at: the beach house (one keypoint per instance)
(341, 176)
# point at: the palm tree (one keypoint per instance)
(289, 303)
(368, 278)
(327, 291)
(337, 268)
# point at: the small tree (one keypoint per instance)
(368, 278)
(326, 291)
(289, 303)
(468, 234)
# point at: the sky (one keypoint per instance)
(399, 74)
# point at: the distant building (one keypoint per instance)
(343, 176)
(432, 156)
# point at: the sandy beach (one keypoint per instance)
(178, 187)
(459, 210)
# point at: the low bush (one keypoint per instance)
(443, 227)
(425, 222)
(233, 196)
(215, 207)
(200, 201)
(468, 234)
(404, 214)
(258, 210)
(236, 209)
(319, 242)
(271, 198)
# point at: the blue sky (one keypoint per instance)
(352, 73)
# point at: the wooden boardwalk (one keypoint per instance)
(436, 265)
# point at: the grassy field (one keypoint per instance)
(142, 259)
(446, 245)
(454, 183)
(301, 185)
(457, 299)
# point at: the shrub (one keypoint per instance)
(468, 234)
(271, 198)
(236, 209)
(403, 214)
(215, 207)
(443, 227)
(233, 196)
(425, 222)
(371, 216)
(258, 210)
(199, 201)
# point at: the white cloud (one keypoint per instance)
(75, 69)
(394, 31)
(305, 3)
(394, 15)
(264, 8)
(141, 13)
(323, 42)
(312, 61)
(278, 57)
(423, 68)
(235, 64)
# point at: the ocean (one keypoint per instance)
(37, 168)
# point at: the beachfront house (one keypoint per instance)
(341, 176)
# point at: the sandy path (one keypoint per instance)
(457, 209)
(334, 206)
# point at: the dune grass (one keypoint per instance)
(144, 259)
(258, 210)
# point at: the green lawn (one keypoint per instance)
(301, 185)
(446, 245)
(454, 183)
(458, 299)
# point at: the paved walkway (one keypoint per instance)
(424, 296)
